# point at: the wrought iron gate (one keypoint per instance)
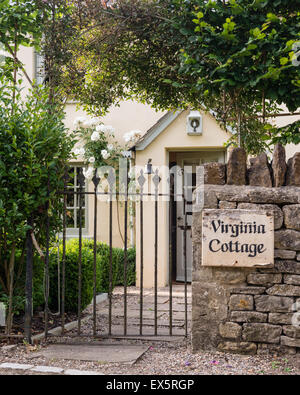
(126, 195)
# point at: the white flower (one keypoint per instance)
(105, 129)
(87, 124)
(109, 130)
(132, 136)
(95, 136)
(79, 121)
(110, 147)
(101, 128)
(79, 151)
(105, 154)
(89, 173)
(91, 159)
(95, 121)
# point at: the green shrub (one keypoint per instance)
(131, 273)
(19, 288)
(71, 276)
(118, 256)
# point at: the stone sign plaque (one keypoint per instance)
(237, 238)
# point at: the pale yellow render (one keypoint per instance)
(174, 138)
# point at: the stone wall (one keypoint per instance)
(250, 310)
(259, 172)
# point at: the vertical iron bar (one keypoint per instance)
(155, 258)
(125, 249)
(110, 265)
(47, 265)
(28, 285)
(171, 200)
(63, 288)
(95, 265)
(185, 264)
(80, 195)
(142, 261)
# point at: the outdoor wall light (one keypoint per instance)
(194, 123)
(148, 167)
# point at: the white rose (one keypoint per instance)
(79, 121)
(110, 147)
(95, 121)
(87, 124)
(88, 174)
(95, 136)
(101, 128)
(109, 129)
(127, 137)
(105, 154)
(92, 159)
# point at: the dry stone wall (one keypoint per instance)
(250, 310)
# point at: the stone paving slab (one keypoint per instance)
(19, 366)
(160, 322)
(166, 307)
(96, 353)
(118, 330)
(47, 369)
(135, 313)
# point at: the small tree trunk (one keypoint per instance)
(11, 288)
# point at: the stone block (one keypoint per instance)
(280, 318)
(292, 279)
(248, 316)
(223, 205)
(287, 239)
(275, 349)
(279, 166)
(292, 216)
(275, 304)
(241, 302)
(291, 331)
(289, 341)
(245, 348)
(264, 279)
(290, 267)
(284, 290)
(248, 290)
(237, 167)
(214, 173)
(293, 170)
(263, 333)
(284, 254)
(230, 276)
(259, 172)
(230, 330)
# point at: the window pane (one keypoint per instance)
(70, 199)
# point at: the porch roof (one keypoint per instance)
(159, 127)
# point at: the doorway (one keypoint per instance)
(181, 210)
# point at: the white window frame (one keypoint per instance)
(74, 232)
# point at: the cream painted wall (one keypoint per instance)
(174, 138)
(131, 115)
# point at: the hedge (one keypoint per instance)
(71, 286)
(102, 262)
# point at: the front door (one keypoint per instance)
(189, 162)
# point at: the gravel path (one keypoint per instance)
(172, 358)
(168, 358)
